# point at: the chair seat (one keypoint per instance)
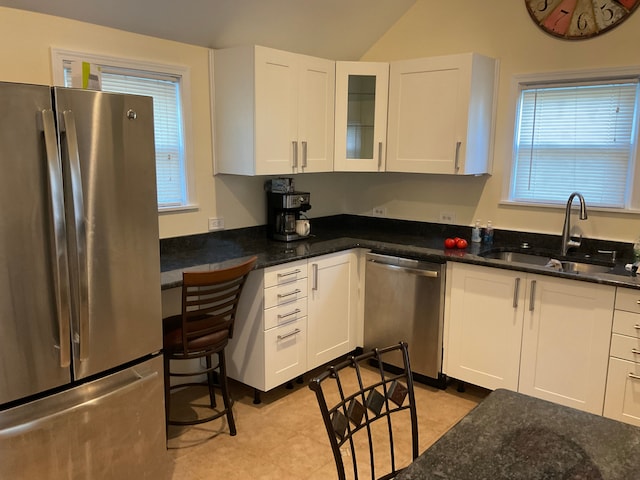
(172, 334)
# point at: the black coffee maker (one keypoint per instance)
(284, 208)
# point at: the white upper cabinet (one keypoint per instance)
(441, 114)
(362, 90)
(274, 112)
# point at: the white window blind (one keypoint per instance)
(167, 129)
(575, 138)
(167, 111)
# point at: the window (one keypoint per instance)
(576, 136)
(166, 85)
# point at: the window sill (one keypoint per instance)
(562, 206)
(179, 209)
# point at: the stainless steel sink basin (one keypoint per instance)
(545, 259)
(579, 267)
(519, 257)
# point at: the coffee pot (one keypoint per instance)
(285, 218)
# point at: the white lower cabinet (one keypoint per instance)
(293, 317)
(540, 335)
(622, 401)
(333, 295)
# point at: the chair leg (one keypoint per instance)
(167, 392)
(211, 382)
(224, 386)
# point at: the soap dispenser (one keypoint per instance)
(476, 236)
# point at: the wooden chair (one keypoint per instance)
(209, 303)
(369, 412)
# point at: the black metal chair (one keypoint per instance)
(209, 303)
(372, 414)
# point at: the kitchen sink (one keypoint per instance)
(518, 257)
(544, 259)
(580, 267)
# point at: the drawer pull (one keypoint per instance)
(634, 376)
(295, 292)
(290, 334)
(293, 272)
(295, 312)
(635, 351)
(637, 327)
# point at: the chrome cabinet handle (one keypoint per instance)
(304, 154)
(81, 233)
(295, 153)
(379, 155)
(293, 272)
(290, 334)
(532, 295)
(283, 295)
(61, 280)
(285, 315)
(457, 160)
(635, 351)
(516, 291)
(637, 327)
(634, 376)
(314, 269)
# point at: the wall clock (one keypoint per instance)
(578, 19)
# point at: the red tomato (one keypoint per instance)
(461, 243)
(449, 243)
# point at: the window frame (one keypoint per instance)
(60, 56)
(524, 81)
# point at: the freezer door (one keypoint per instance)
(34, 310)
(108, 157)
(108, 429)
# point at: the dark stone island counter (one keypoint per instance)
(394, 237)
(517, 437)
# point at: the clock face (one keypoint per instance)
(577, 19)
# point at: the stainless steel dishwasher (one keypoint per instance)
(404, 301)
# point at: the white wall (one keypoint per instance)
(504, 30)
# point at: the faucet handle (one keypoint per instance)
(613, 254)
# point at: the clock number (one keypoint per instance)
(542, 6)
(560, 17)
(583, 21)
(607, 13)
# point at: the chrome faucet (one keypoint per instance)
(567, 242)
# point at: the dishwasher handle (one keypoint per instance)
(414, 271)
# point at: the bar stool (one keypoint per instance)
(209, 304)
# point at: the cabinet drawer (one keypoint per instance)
(622, 401)
(285, 353)
(283, 274)
(286, 313)
(628, 299)
(626, 323)
(285, 294)
(627, 348)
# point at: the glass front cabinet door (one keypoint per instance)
(361, 116)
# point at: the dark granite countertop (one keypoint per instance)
(517, 437)
(394, 237)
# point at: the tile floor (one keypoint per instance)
(284, 437)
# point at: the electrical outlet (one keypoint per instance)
(216, 224)
(447, 217)
(379, 211)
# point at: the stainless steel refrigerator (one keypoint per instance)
(80, 310)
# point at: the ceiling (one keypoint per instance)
(336, 29)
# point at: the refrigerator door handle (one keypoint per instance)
(86, 396)
(61, 273)
(80, 229)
